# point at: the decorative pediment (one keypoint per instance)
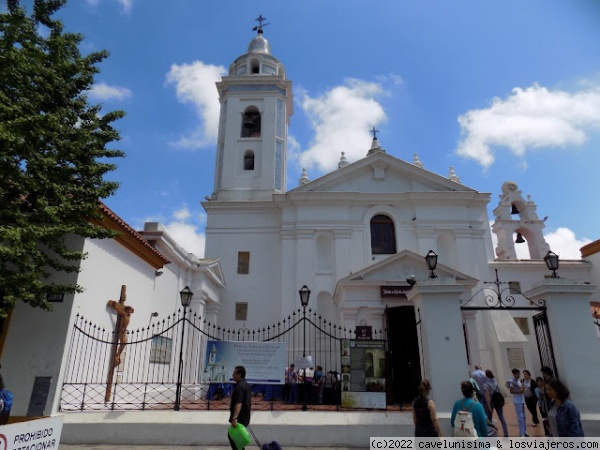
(397, 268)
(381, 173)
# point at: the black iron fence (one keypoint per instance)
(162, 364)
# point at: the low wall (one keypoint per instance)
(290, 428)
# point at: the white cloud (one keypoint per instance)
(530, 118)
(126, 5)
(188, 237)
(187, 230)
(195, 85)
(565, 244)
(102, 91)
(341, 119)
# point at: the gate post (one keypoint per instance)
(442, 343)
(574, 339)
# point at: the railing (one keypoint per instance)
(149, 376)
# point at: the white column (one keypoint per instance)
(441, 339)
(574, 339)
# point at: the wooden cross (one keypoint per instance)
(119, 336)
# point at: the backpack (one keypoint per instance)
(497, 398)
(7, 400)
(464, 427)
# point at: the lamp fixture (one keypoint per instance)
(412, 280)
(186, 296)
(431, 259)
(551, 260)
(304, 295)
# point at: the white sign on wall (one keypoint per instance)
(31, 435)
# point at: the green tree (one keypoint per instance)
(53, 155)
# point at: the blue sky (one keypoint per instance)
(498, 89)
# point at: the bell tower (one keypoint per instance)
(256, 105)
(517, 222)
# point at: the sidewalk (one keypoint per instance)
(509, 415)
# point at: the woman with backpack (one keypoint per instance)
(494, 399)
(472, 408)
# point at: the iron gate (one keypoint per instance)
(506, 299)
(161, 367)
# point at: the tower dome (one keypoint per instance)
(259, 44)
(258, 59)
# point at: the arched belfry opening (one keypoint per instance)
(254, 66)
(517, 224)
(251, 122)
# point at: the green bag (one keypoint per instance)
(239, 435)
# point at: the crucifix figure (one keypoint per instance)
(124, 315)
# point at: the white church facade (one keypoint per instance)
(357, 237)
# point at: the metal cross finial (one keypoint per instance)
(260, 21)
(374, 132)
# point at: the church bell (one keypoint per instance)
(519, 239)
(248, 122)
(513, 209)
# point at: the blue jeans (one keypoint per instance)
(500, 412)
(520, 410)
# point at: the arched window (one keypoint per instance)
(383, 235)
(251, 122)
(248, 160)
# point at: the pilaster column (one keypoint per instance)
(441, 339)
(574, 339)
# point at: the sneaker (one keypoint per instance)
(526, 435)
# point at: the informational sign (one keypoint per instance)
(39, 433)
(363, 374)
(516, 357)
(265, 362)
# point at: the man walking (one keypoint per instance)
(481, 379)
(518, 392)
(239, 408)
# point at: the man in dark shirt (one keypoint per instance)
(239, 409)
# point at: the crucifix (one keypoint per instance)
(374, 132)
(124, 313)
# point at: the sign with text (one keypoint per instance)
(33, 434)
(363, 374)
(394, 291)
(265, 362)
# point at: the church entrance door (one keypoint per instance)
(404, 367)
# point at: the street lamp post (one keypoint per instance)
(186, 298)
(304, 296)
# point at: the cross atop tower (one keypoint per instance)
(260, 21)
(374, 132)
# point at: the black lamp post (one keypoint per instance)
(304, 296)
(186, 298)
(551, 260)
(431, 260)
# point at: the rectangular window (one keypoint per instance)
(523, 324)
(160, 350)
(515, 287)
(241, 311)
(243, 263)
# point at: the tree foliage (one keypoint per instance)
(53, 155)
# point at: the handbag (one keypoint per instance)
(239, 435)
